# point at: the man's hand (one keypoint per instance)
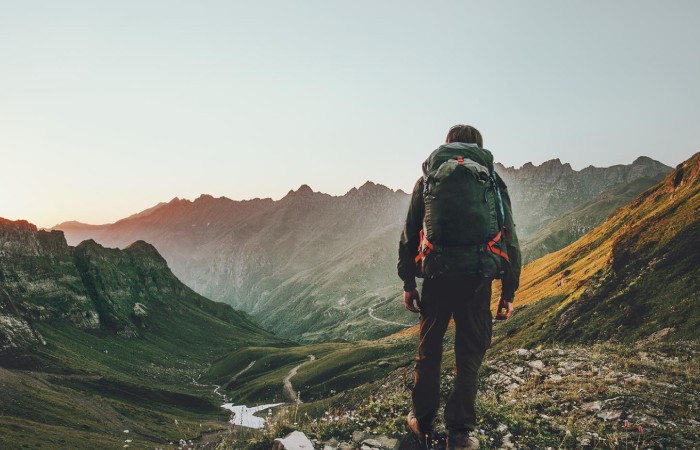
(411, 299)
(505, 310)
(509, 309)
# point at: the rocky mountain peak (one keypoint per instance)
(174, 201)
(370, 189)
(20, 238)
(644, 160)
(303, 191)
(206, 198)
(145, 250)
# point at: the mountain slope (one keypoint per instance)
(94, 341)
(633, 275)
(571, 225)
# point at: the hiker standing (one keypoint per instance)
(459, 236)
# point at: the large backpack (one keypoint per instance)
(462, 232)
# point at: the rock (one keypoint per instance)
(568, 366)
(388, 443)
(609, 415)
(507, 443)
(635, 379)
(365, 447)
(648, 421)
(344, 446)
(380, 442)
(359, 436)
(295, 440)
(140, 310)
(522, 352)
(657, 336)
(555, 378)
(498, 379)
(592, 406)
(502, 428)
(536, 364)
(518, 370)
(332, 443)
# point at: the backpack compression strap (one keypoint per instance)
(491, 246)
(424, 243)
(425, 247)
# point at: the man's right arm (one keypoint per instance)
(410, 238)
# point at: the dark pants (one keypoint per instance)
(467, 301)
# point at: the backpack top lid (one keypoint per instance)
(454, 150)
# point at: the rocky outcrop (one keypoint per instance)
(44, 280)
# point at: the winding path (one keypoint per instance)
(235, 377)
(215, 386)
(289, 389)
(370, 311)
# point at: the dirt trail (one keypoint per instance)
(288, 388)
(370, 311)
(235, 377)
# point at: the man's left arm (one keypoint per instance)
(511, 277)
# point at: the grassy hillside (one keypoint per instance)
(96, 341)
(568, 227)
(633, 275)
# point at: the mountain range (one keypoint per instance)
(327, 261)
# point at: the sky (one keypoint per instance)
(107, 108)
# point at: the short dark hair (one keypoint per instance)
(466, 134)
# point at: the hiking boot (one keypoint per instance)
(423, 437)
(461, 441)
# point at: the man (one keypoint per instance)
(459, 236)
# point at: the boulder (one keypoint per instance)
(592, 406)
(522, 352)
(382, 442)
(359, 436)
(295, 440)
(609, 415)
(536, 364)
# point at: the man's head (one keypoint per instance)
(464, 133)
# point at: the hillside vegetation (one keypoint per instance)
(633, 275)
(571, 225)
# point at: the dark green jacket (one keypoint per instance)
(408, 244)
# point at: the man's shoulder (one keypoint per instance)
(418, 187)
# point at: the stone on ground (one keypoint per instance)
(295, 440)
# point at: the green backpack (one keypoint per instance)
(462, 232)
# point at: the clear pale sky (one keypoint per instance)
(107, 108)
